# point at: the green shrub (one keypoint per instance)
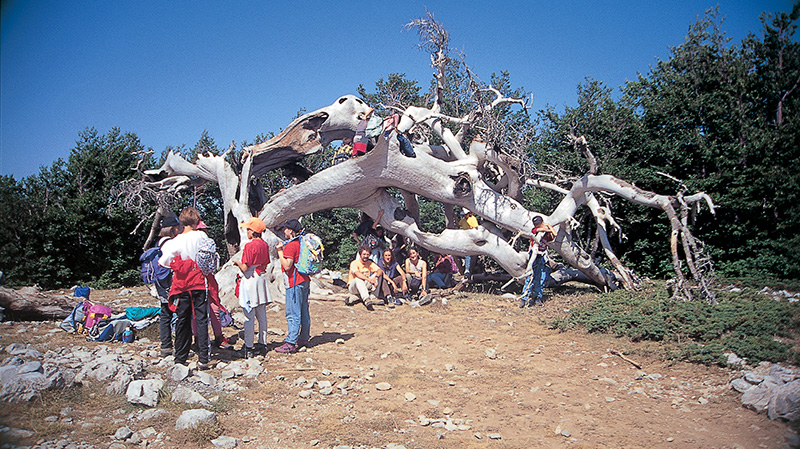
(751, 325)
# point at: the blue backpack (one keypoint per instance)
(152, 272)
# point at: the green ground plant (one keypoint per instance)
(752, 325)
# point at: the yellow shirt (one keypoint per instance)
(468, 222)
(368, 270)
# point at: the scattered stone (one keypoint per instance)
(340, 341)
(144, 392)
(495, 436)
(741, 385)
(478, 435)
(327, 391)
(383, 386)
(410, 396)
(192, 418)
(491, 353)
(178, 372)
(123, 433)
(449, 367)
(186, 396)
(305, 394)
(225, 442)
(447, 411)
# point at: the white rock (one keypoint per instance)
(192, 418)
(144, 392)
(225, 442)
(383, 386)
(186, 396)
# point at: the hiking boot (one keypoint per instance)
(286, 348)
(390, 302)
(203, 366)
(425, 300)
(260, 348)
(397, 301)
(405, 146)
(247, 353)
(522, 303)
(537, 303)
(223, 343)
(352, 299)
(166, 352)
(301, 343)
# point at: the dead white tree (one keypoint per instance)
(478, 175)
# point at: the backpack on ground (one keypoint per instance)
(207, 257)
(94, 315)
(311, 253)
(152, 272)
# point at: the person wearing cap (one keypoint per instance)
(189, 290)
(298, 320)
(543, 233)
(170, 227)
(254, 289)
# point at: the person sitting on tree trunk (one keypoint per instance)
(370, 234)
(543, 233)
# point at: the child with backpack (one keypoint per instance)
(253, 287)
(161, 278)
(298, 319)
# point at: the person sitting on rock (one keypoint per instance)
(394, 283)
(416, 273)
(442, 274)
(365, 278)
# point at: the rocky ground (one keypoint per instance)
(477, 372)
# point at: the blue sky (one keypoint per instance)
(166, 71)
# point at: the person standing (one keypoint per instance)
(543, 233)
(170, 228)
(189, 291)
(254, 289)
(298, 319)
(468, 221)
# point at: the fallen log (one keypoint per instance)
(31, 304)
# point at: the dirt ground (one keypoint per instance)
(488, 374)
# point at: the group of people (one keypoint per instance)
(192, 296)
(376, 277)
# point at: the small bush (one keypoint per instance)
(751, 325)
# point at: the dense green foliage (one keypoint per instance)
(721, 117)
(751, 325)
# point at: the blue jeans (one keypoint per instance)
(536, 280)
(467, 264)
(297, 318)
(440, 280)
